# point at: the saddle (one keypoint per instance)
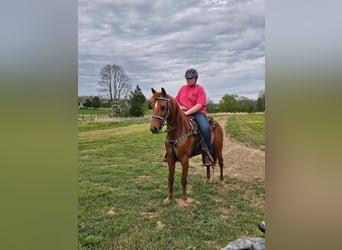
(212, 122)
(201, 146)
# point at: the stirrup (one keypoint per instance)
(210, 157)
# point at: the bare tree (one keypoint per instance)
(114, 81)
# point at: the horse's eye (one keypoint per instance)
(162, 108)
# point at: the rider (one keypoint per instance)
(192, 100)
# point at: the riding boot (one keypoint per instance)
(207, 159)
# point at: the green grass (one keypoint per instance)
(247, 128)
(115, 123)
(90, 115)
(103, 111)
(122, 185)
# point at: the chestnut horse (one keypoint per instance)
(182, 139)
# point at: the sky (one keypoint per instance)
(156, 41)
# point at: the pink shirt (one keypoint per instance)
(189, 96)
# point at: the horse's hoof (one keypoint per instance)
(167, 201)
(183, 203)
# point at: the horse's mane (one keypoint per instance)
(179, 119)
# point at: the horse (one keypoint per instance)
(182, 139)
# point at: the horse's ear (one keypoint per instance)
(163, 91)
(153, 90)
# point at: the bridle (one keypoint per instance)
(173, 143)
(167, 111)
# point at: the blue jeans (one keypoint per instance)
(204, 127)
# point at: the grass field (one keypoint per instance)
(111, 123)
(122, 185)
(248, 128)
(89, 115)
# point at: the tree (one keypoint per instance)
(149, 104)
(79, 100)
(229, 103)
(260, 103)
(114, 81)
(87, 103)
(96, 103)
(210, 106)
(246, 104)
(138, 102)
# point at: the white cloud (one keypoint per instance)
(156, 41)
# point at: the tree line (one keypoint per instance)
(134, 104)
(235, 103)
(115, 83)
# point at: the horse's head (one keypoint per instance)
(160, 102)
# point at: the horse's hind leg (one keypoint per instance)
(218, 146)
(220, 159)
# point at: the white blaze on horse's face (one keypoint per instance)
(156, 105)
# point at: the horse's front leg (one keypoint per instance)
(172, 165)
(185, 167)
(208, 174)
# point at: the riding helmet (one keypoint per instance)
(190, 73)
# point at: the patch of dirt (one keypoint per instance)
(160, 225)
(242, 161)
(179, 203)
(110, 212)
(145, 177)
(225, 212)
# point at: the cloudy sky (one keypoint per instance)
(156, 41)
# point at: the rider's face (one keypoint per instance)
(191, 81)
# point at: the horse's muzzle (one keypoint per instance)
(155, 130)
